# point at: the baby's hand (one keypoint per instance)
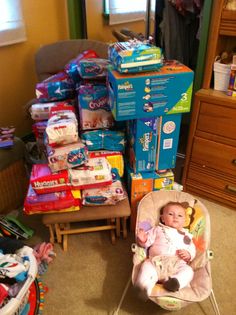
(141, 236)
(183, 254)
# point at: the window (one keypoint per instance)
(12, 27)
(123, 11)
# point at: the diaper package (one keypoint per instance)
(43, 181)
(104, 139)
(41, 111)
(62, 128)
(68, 156)
(114, 158)
(55, 88)
(94, 109)
(95, 173)
(72, 67)
(135, 56)
(106, 195)
(91, 68)
(62, 201)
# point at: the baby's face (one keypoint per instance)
(174, 216)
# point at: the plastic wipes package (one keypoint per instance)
(62, 128)
(106, 195)
(95, 173)
(104, 139)
(135, 56)
(69, 200)
(55, 88)
(68, 156)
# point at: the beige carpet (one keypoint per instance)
(90, 278)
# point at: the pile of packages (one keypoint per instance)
(97, 111)
(82, 144)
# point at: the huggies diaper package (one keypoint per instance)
(112, 140)
(94, 109)
(55, 88)
(142, 144)
(62, 128)
(92, 68)
(95, 173)
(62, 201)
(44, 181)
(68, 156)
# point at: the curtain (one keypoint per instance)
(123, 11)
(12, 27)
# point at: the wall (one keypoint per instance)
(97, 27)
(46, 22)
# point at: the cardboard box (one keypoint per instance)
(142, 144)
(163, 180)
(168, 139)
(138, 185)
(150, 94)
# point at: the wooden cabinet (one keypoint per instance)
(210, 166)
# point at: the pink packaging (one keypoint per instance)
(44, 181)
(57, 201)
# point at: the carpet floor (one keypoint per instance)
(90, 278)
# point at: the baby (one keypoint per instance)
(170, 249)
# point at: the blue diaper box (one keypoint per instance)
(150, 94)
(142, 144)
(168, 139)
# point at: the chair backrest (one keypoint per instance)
(51, 59)
(197, 221)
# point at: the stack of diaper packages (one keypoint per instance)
(98, 130)
(84, 156)
(149, 94)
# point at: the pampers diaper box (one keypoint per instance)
(150, 94)
(142, 144)
(168, 139)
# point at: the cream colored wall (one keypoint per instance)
(46, 22)
(98, 29)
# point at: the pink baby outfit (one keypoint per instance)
(162, 243)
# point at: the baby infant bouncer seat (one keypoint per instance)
(198, 224)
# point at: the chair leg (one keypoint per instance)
(51, 233)
(118, 227)
(124, 227)
(214, 303)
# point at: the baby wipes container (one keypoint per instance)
(221, 76)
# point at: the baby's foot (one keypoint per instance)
(172, 284)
